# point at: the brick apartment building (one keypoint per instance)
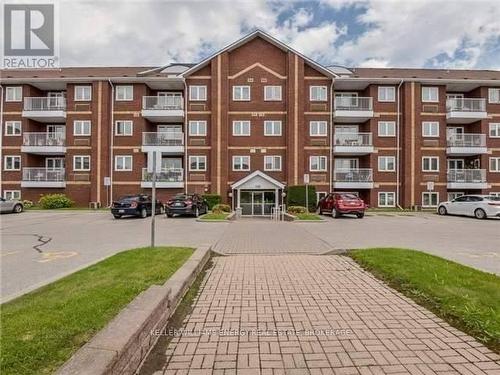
(246, 123)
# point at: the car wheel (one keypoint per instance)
(480, 214)
(196, 212)
(360, 215)
(117, 216)
(18, 208)
(170, 215)
(335, 213)
(206, 209)
(162, 210)
(144, 213)
(442, 210)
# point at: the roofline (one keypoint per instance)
(257, 172)
(430, 80)
(87, 79)
(265, 35)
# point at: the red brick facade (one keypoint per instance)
(256, 62)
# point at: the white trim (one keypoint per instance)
(5, 192)
(324, 88)
(430, 163)
(15, 157)
(197, 123)
(198, 158)
(235, 157)
(11, 123)
(273, 158)
(75, 134)
(125, 122)
(242, 89)
(387, 123)
(272, 99)
(386, 100)
(15, 100)
(260, 174)
(387, 160)
(430, 100)
(124, 163)
(125, 98)
(497, 162)
(494, 95)
(430, 193)
(387, 193)
(319, 124)
(273, 125)
(242, 123)
(83, 99)
(496, 126)
(430, 124)
(81, 157)
(199, 88)
(320, 157)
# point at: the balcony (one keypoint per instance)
(43, 178)
(353, 143)
(360, 178)
(466, 144)
(465, 110)
(45, 109)
(353, 109)
(164, 142)
(163, 108)
(44, 143)
(467, 179)
(167, 178)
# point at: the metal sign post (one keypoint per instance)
(153, 203)
(306, 181)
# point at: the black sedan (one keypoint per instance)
(135, 205)
(186, 204)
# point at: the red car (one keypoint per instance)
(338, 204)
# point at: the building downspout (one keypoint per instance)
(398, 151)
(111, 142)
(1, 139)
(332, 103)
(186, 129)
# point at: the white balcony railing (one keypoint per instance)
(166, 175)
(467, 140)
(162, 103)
(45, 104)
(466, 105)
(466, 175)
(353, 139)
(353, 175)
(43, 174)
(354, 103)
(163, 139)
(44, 139)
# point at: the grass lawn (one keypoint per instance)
(42, 329)
(308, 216)
(213, 216)
(466, 298)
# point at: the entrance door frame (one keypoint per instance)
(262, 203)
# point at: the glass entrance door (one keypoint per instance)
(257, 203)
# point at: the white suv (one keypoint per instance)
(479, 206)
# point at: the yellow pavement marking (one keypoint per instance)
(10, 253)
(53, 255)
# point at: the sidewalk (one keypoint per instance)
(309, 314)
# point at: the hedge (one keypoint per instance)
(55, 201)
(296, 196)
(212, 200)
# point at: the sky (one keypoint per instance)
(359, 33)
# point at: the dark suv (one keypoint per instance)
(135, 205)
(186, 204)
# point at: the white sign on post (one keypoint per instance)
(306, 178)
(430, 186)
(107, 181)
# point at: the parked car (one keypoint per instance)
(186, 204)
(479, 206)
(12, 205)
(135, 205)
(338, 204)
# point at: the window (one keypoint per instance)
(430, 164)
(81, 163)
(12, 128)
(123, 163)
(198, 93)
(124, 93)
(494, 95)
(386, 199)
(241, 128)
(495, 130)
(494, 164)
(123, 127)
(317, 163)
(318, 128)
(83, 93)
(430, 199)
(197, 163)
(12, 163)
(430, 129)
(241, 163)
(430, 94)
(197, 128)
(386, 128)
(454, 195)
(14, 94)
(272, 128)
(386, 94)
(272, 93)
(241, 93)
(12, 194)
(272, 163)
(81, 127)
(317, 93)
(386, 163)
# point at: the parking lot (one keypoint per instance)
(41, 246)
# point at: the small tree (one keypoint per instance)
(212, 200)
(296, 196)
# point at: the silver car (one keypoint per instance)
(12, 205)
(479, 206)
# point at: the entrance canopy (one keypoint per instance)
(257, 180)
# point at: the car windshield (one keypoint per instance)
(129, 198)
(348, 196)
(181, 197)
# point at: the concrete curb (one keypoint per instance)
(121, 346)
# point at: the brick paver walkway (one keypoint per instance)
(309, 314)
(254, 236)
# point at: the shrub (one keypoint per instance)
(296, 196)
(212, 200)
(220, 208)
(294, 210)
(27, 203)
(55, 201)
